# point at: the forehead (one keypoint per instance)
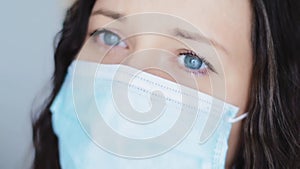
(195, 11)
(227, 21)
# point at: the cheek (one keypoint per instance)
(238, 85)
(238, 75)
(237, 95)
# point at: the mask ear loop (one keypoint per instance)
(237, 119)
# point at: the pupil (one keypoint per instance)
(192, 62)
(111, 39)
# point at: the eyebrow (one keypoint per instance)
(178, 32)
(108, 13)
(197, 37)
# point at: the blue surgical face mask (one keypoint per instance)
(117, 117)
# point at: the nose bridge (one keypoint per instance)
(149, 41)
(154, 46)
(147, 50)
(149, 53)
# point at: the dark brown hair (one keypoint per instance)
(271, 131)
(271, 138)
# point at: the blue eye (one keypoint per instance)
(193, 63)
(108, 38)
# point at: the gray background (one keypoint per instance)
(27, 31)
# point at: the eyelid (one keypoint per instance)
(102, 30)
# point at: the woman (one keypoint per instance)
(262, 71)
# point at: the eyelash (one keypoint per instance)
(98, 31)
(208, 68)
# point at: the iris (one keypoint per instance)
(192, 62)
(110, 39)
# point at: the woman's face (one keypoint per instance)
(225, 26)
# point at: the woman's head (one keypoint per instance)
(227, 26)
(252, 51)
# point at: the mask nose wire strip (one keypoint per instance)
(239, 118)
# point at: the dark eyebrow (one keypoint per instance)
(108, 13)
(197, 37)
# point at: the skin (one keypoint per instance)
(227, 22)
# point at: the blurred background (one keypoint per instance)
(27, 32)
